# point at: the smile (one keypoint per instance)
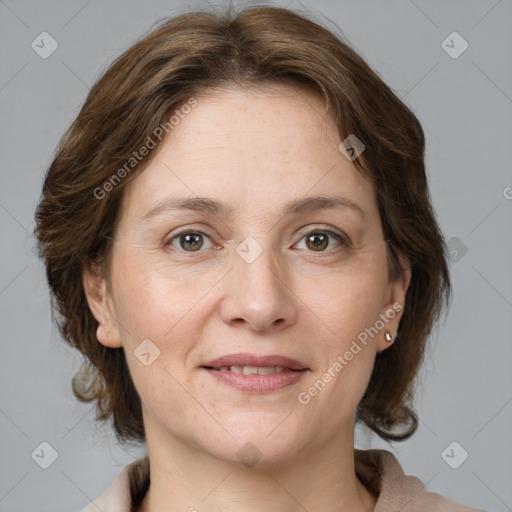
(262, 379)
(251, 370)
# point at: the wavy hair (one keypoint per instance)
(252, 47)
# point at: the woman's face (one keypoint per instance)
(254, 276)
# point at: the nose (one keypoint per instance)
(258, 295)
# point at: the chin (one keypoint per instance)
(259, 446)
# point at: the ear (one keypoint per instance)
(100, 304)
(394, 303)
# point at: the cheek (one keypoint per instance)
(347, 356)
(345, 310)
(151, 302)
(349, 299)
(157, 317)
(153, 306)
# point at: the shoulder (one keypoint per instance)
(125, 490)
(381, 473)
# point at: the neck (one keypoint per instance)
(186, 478)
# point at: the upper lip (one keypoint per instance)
(243, 359)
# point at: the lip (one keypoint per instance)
(245, 359)
(293, 371)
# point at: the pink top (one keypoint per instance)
(378, 470)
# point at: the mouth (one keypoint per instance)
(243, 360)
(249, 372)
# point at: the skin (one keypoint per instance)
(256, 150)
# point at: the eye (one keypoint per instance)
(319, 239)
(189, 241)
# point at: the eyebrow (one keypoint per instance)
(308, 204)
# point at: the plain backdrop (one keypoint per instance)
(464, 101)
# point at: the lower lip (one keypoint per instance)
(257, 383)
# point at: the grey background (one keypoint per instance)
(465, 106)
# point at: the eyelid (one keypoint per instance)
(311, 228)
(187, 230)
(342, 237)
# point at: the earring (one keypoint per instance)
(388, 337)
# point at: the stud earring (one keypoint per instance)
(388, 337)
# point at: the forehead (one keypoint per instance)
(254, 148)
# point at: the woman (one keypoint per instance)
(239, 239)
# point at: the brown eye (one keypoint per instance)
(319, 240)
(189, 241)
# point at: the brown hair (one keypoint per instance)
(183, 56)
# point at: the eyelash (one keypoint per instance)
(339, 237)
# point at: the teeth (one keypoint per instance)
(250, 370)
(253, 370)
(267, 370)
